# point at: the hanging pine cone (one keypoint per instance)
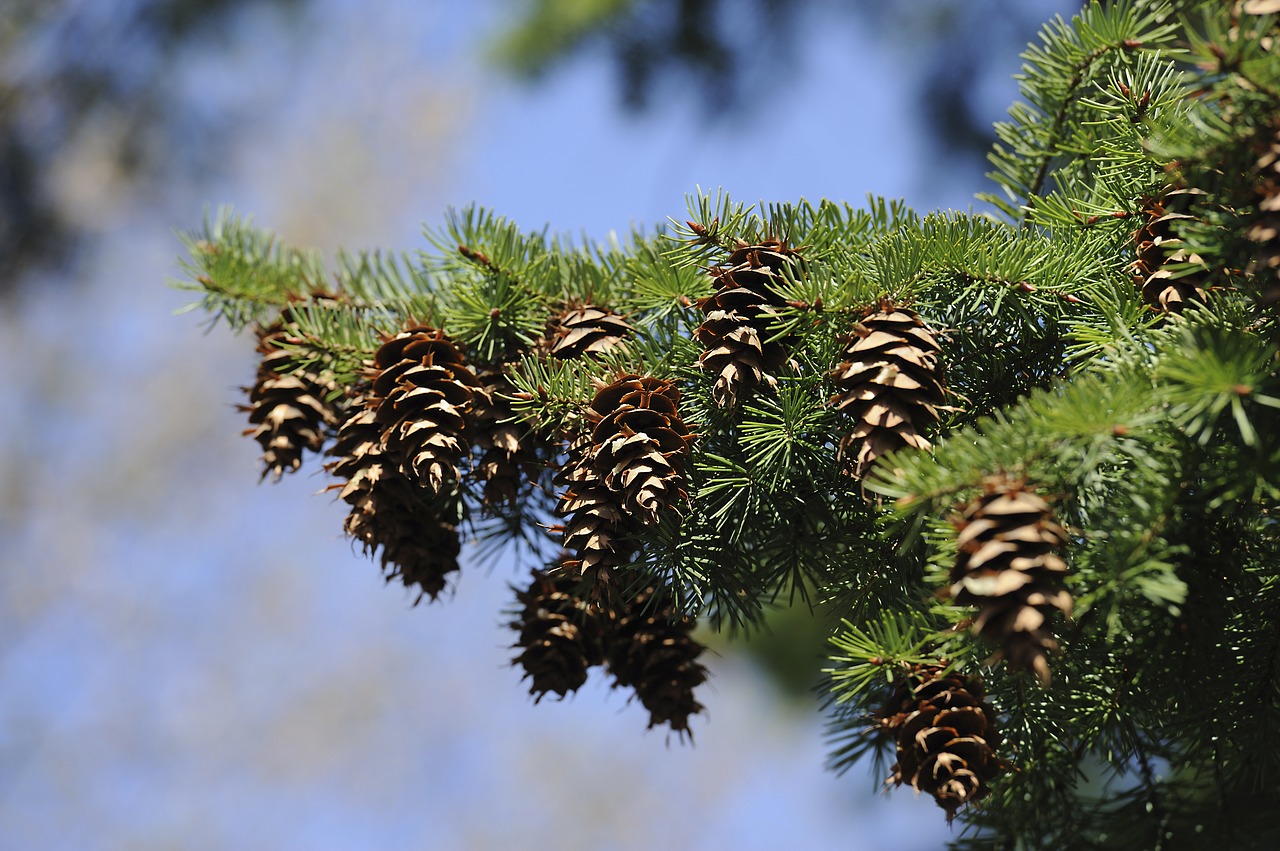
(888, 383)
(640, 442)
(1159, 249)
(1265, 226)
(290, 410)
(510, 453)
(945, 735)
(626, 474)
(652, 650)
(426, 392)
(736, 334)
(585, 331)
(561, 635)
(1006, 566)
(595, 530)
(416, 530)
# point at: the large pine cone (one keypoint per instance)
(426, 392)
(625, 474)
(652, 650)
(736, 334)
(290, 411)
(888, 384)
(640, 442)
(945, 735)
(561, 635)
(415, 529)
(1006, 566)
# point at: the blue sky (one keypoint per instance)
(191, 660)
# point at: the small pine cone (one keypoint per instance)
(1006, 566)
(561, 635)
(652, 650)
(736, 335)
(945, 735)
(426, 392)
(416, 531)
(596, 529)
(289, 410)
(888, 383)
(639, 445)
(1158, 248)
(585, 331)
(1265, 227)
(509, 451)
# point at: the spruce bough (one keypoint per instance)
(1031, 458)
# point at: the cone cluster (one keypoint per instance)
(414, 529)
(888, 385)
(290, 410)
(646, 643)
(625, 473)
(1007, 567)
(736, 334)
(585, 331)
(1159, 250)
(945, 735)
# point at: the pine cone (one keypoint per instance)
(426, 393)
(511, 453)
(416, 530)
(640, 441)
(888, 383)
(625, 474)
(561, 635)
(736, 334)
(595, 530)
(1006, 566)
(1261, 7)
(652, 650)
(1265, 227)
(945, 734)
(1159, 248)
(290, 410)
(585, 331)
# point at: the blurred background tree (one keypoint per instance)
(101, 77)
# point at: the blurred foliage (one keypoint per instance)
(74, 72)
(103, 76)
(739, 53)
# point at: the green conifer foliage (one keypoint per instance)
(1094, 494)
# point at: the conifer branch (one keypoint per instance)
(1046, 444)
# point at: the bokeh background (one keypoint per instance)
(191, 660)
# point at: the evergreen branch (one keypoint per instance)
(388, 282)
(245, 273)
(713, 229)
(1149, 429)
(1054, 76)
